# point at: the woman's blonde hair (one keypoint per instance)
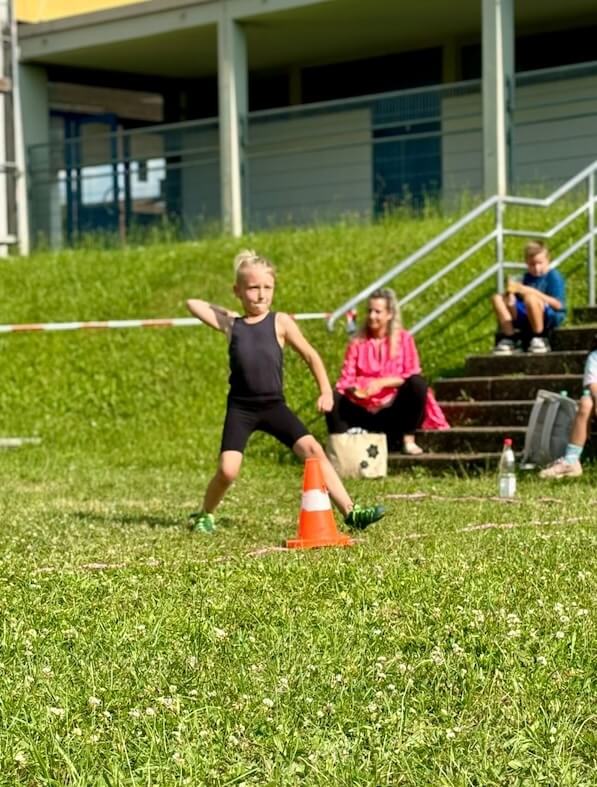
(248, 258)
(395, 325)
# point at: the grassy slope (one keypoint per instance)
(126, 393)
(453, 646)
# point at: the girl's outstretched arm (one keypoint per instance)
(215, 316)
(290, 333)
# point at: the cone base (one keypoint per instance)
(339, 540)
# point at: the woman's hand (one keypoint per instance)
(375, 386)
(325, 402)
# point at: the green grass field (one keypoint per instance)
(454, 644)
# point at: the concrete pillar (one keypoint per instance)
(498, 93)
(5, 135)
(233, 111)
(42, 177)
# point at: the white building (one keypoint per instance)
(250, 112)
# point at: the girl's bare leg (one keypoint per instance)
(226, 474)
(307, 447)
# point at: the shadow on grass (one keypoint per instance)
(130, 519)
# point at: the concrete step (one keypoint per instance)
(471, 439)
(506, 387)
(570, 362)
(576, 337)
(459, 463)
(585, 314)
(485, 413)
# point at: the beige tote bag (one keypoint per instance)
(361, 455)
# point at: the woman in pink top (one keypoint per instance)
(380, 387)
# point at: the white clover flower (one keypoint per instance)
(135, 713)
(150, 711)
(95, 702)
(53, 711)
(514, 633)
(450, 733)
(582, 613)
(178, 758)
(541, 660)
(48, 671)
(560, 635)
(268, 702)
(77, 731)
(391, 687)
(21, 759)
(220, 633)
(192, 661)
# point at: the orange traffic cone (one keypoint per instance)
(316, 526)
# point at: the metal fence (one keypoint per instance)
(307, 163)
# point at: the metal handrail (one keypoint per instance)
(497, 235)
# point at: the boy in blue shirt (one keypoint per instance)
(534, 306)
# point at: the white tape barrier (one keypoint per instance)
(17, 442)
(175, 322)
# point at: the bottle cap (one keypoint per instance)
(564, 393)
(508, 441)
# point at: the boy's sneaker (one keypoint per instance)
(562, 469)
(504, 347)
(201, 522)
(539, 345)
(361, 517)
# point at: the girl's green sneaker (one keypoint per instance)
(202, 522)
(362, 516)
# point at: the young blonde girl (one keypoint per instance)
(256, 340)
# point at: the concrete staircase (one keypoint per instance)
(494, 399)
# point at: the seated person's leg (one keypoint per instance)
(536, 313)
(345, 415)
(568, 466)
(506, 310)
(403, 417)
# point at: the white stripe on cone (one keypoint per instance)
(316, 500)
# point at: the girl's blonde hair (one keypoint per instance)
(395, 324)
(248, 258)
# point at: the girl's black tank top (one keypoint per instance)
(255, 361)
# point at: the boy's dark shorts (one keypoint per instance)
(274, 418)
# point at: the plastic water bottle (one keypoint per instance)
(507, 471)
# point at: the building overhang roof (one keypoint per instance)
(178, 38)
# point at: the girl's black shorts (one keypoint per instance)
(274, 418)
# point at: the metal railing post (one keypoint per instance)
(499, 244)
(591, 228)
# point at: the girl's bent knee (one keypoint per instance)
(309, 448)
(228, 475)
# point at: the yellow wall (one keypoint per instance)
(44, 10)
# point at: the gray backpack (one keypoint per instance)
(548, 430)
